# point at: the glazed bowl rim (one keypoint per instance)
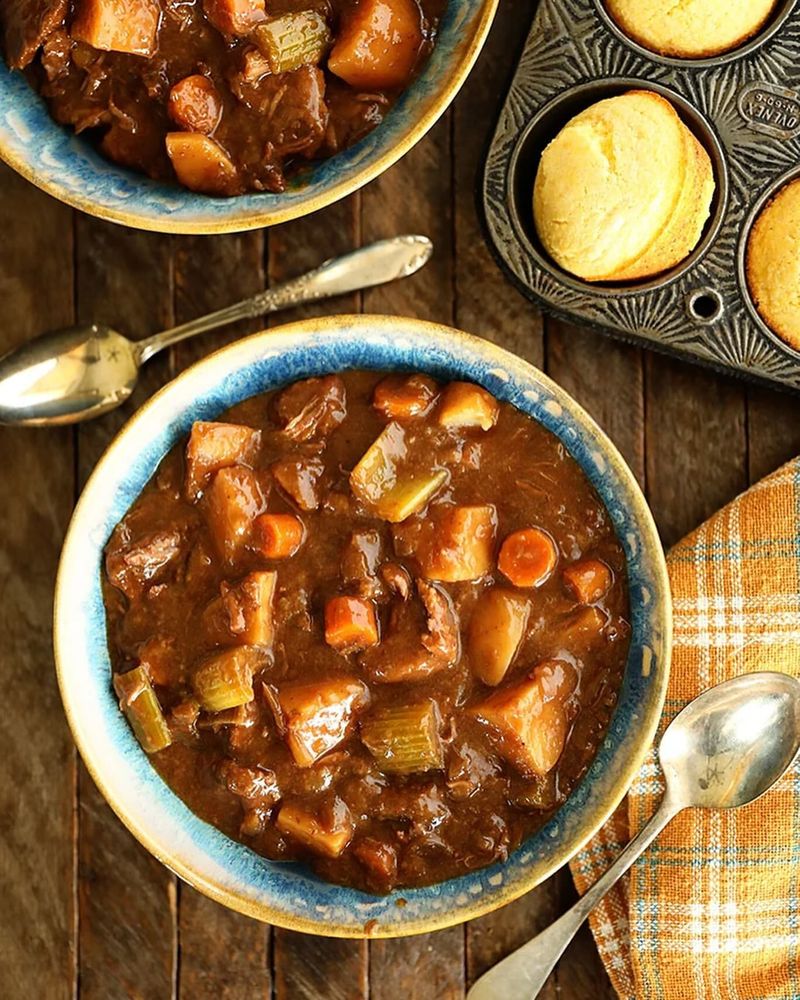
(355, 167)
(223, 869)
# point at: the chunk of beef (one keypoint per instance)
(401, 657)
(361, 557)
(132, 567)
(299, 478)
(293, 106)
(442, 636)
(397, 579)
(312, 408)
(26, 26)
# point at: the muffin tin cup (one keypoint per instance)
(743, 109)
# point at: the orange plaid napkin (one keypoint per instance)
(713, 908)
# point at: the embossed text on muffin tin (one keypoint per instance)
(744, 107)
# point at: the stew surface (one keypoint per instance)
(226, 96)
(371, 622)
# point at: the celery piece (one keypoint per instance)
(293, 40)
(226, 680)
(377, 482)
(410, 495)
(138, 701)
(404, 738)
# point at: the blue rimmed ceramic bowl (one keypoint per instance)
(288, 894)
(69, 168)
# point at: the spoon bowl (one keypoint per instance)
(732, 743)
(68, 375)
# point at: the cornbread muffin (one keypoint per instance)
(623, 191)
(773, 264)
(690, 29)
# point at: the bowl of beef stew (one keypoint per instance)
(223, 115)
(362, 626)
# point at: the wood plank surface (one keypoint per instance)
(102, 918)
(37, 759)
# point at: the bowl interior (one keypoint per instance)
(288, 894)
(69, 167)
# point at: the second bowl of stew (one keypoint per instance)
(218, 115)
(376, 629)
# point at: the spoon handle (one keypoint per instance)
(372, 265)
(522, 975)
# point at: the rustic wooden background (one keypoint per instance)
(84, 911)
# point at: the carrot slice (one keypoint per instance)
(588, 581)
(350, 624)
(404, 397)
(278, 536)
(194, 104)
(528, 557)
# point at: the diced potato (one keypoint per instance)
(350, 624)
(226, 679)
(467, 405)
(327, 835)
(531, 729)
(293, 40)
(378, 44)
(278, 536)
(200, 163)
(528, 557)
(461, 544)
(117, 25)
(588, 580)
(214, 446)
(138, 701)
(317, 717)
(404, 739)
(194, 104)
(404, 397)
(495, 632)
(235, 17)
(232, 502)
(392, 495)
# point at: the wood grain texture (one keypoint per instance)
(37, 760)
(606, 377)
(223, 955)
(127, 912)
(313, 968)
(773, 430)
(695, 443)
(425, 967)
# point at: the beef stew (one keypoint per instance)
(225, 96)
(372, 622)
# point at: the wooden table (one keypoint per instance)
(84, 910)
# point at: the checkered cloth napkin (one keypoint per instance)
(712, 910)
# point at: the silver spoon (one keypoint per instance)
(85, 370)
(724, 749)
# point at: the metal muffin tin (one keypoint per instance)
(744, 106)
